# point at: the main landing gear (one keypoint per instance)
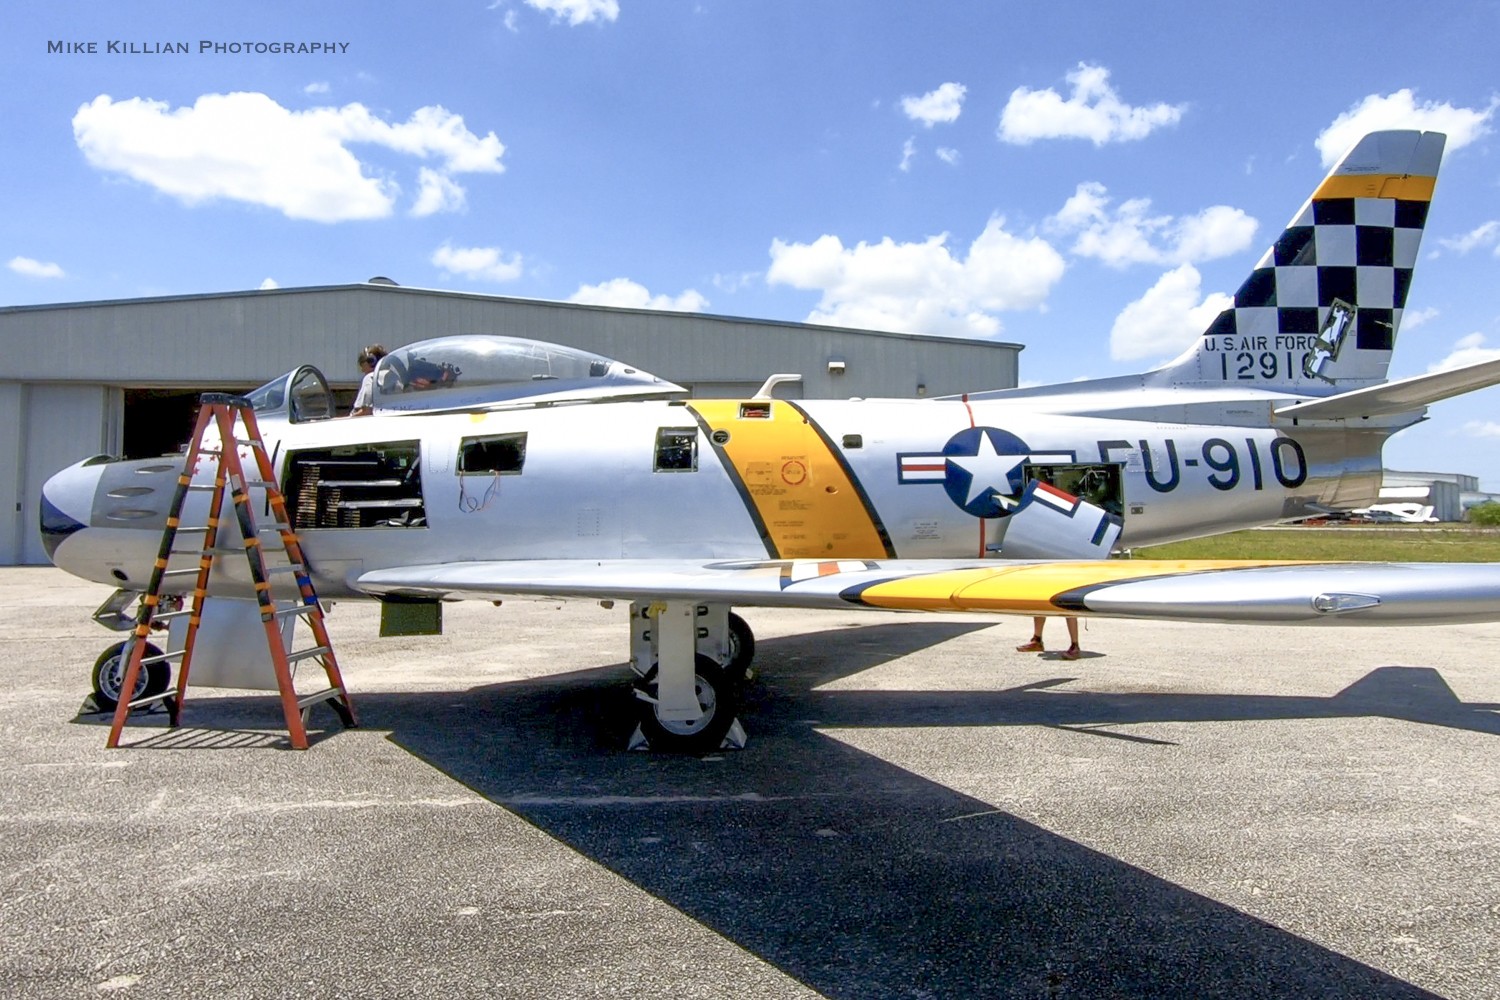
(692, 661)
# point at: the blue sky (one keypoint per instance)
(1081, 178)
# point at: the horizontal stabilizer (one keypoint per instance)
(1401, 396)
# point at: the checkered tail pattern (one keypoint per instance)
(1320, 312)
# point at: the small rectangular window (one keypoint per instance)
(853, 441)
(676, 449)
(755, 411)
(496, 454)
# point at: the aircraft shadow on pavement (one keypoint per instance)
(860, 878)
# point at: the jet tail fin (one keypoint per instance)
(1319, 313)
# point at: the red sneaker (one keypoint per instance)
(1034, 646)
(1072, 652)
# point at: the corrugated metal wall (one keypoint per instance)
(253, 336)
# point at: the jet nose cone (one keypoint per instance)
(67, 503)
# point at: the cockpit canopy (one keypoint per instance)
(299, 395)
(478, 370)
(464, 372)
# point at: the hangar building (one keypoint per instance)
(123, 377)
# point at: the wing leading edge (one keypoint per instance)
(1238, 592)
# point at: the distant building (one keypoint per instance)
(123, 377)
(1442, 491)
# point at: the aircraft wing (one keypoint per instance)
(1401, 396)
(1233, 592)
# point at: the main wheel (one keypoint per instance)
(741, 647)
(109, 676)
(718, 697)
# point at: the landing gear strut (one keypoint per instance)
(692, 660)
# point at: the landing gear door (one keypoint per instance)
(1066, 512)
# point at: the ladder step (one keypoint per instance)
(196, 529)
(174, 655)
(166, 695)
(327, 694)
(301, 609)
(201, 487)
(178, 572)
(307, 654)
(167, 616)
(289, 568)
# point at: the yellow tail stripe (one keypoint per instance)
(803, 496)
(1403, 186)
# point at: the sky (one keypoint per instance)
(1089, 180)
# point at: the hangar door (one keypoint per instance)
(44, 428)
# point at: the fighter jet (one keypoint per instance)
(497, 467)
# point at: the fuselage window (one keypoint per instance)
(496, 454)
(676, 449)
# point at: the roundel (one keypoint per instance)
(982, 470)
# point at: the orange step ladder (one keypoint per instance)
(234, 420)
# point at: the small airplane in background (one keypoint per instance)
(1397, 513)
(498, 467)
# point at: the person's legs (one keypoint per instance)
(1035, 645)
(1072, 652)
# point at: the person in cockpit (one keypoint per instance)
(364, 400)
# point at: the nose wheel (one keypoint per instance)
(109, 676)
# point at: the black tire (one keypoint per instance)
(718, 696)
(741, 647)
(109, 675)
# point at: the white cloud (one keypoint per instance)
(734, 282)
(941, 105)
(1413, 318)
(948, 156)
(1130, 235)
(920, 287)
(479, 263)
(1468, 350)
(437, 193)
(577, 12)
(246, 147)
(1092, 111)
(908, 150)
(1400, 110)
(316, 87)
(1169, 317)
(1485, 235)
(1482, 429)
(268, 284)
(35, 268)
(628, 294)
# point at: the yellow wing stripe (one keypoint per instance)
(805, 499)
(1028, 588)
(1403, 186)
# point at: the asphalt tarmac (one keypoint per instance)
(1193, 811)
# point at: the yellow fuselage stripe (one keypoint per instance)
(1406, 187)
(1027, 588)
(805, 500)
